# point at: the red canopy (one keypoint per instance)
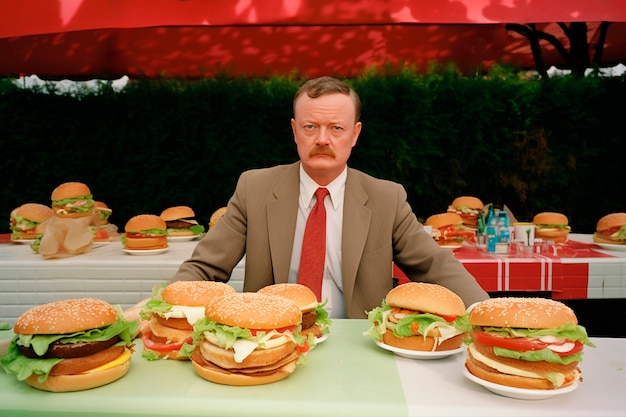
(81, 39)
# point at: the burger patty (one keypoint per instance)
(178, 224)
(308, 320)
(69, 350)
(532, 366)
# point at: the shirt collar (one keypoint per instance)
(335, 188)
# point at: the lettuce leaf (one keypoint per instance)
(538, 355)
(322, 318)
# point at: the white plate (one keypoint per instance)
(418, 354)
(145, 251)
(23, 241)
(519, 393)
(321, 338)
(611, 246)
(182, 238)
(452, 246)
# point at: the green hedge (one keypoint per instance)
(534, 145)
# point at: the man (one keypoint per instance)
(369, 223)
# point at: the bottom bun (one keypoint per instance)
(556, 235)
(79, 382)
(421, 344)
(146, 243)
(180, 232)
(220, 376)
(487, 373)
(600, 239)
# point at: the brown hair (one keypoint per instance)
(328, 85)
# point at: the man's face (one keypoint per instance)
(325, 132)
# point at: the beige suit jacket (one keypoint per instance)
(379, 228)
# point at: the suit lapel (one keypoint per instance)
(281, 221)
(356, 221)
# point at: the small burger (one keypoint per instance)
(448, 229)
(72, 199)
(145, 232)
(171, 314)
(248, 339)
(419, 316)
(315, 319)
(611, 229)
(180, 222)
(216, 216)
(532, 343)
(551, 226)
(104, 230)
(25, 219)
(468, 208)
(70, 345)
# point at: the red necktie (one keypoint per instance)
(313, 254)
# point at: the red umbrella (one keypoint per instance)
(195, 38)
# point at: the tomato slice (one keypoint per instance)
(162, 347)
(304, 348)
(521, 344)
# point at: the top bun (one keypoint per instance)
(66, 316)
(298, 293)
(34, 212)
(194, 293)
(468, 201)
(444, 219)
(610, 221)
(216, 216)
(426, 298)
(144, 222)
(253, 311)
(70, 190)
(178, 212)
(530, 313)
(550, 217)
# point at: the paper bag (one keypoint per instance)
(65, 237)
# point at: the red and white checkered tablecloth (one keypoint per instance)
(564, 271)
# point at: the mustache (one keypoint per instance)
(322, 150)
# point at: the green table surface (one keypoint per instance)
(345, 375)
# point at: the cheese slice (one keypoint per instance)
(120, 360)
(192, 314)
(505, 369)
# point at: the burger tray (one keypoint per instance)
(347, 375)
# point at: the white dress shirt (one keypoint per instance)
(332, 288)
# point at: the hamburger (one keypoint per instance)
(180, 222)
(70, 345)
(315, 319)
(551, 226)
(145, 232)
(72, 200)
(531, 343)
(448, 229)
(24, 220)
(171, 314)
(216, 216)
(421, 317)
(248, 339)
(611, 229)
(468, 208)
(104, 231)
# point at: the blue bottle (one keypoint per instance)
(503, 227)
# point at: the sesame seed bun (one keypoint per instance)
(177, 212)
(253, 311)
(443, 219)
(426, 298)
(298, 293)
(66, 316)
(194, 293)
(144, 222)
(530, 313)
(216, 216)
(610, 221)
(34, 212)
(70, 190)
(468, 201)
